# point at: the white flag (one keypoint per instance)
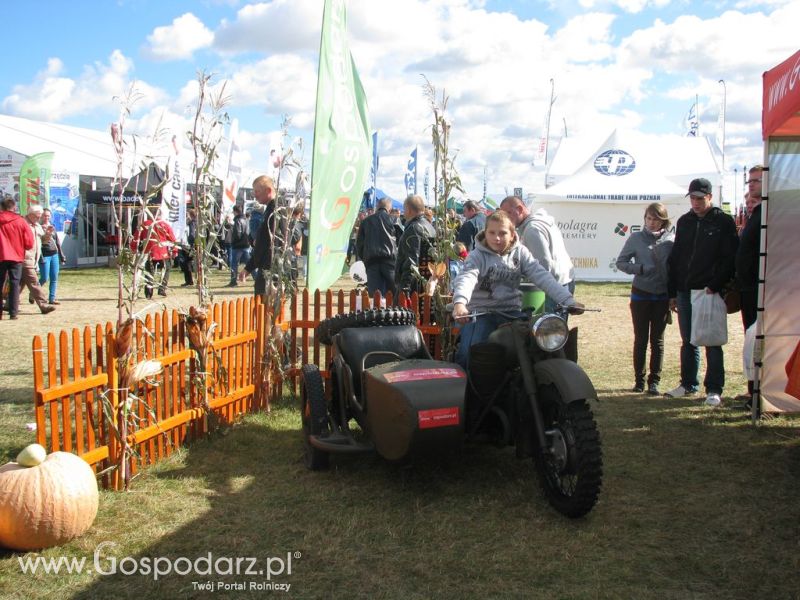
(173, 194)
(233, 174)
(692, 122)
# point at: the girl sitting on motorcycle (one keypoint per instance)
(489, 284)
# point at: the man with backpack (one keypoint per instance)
(240, 244)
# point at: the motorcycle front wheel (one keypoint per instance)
(571, 471)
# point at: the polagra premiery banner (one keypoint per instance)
(342, 151)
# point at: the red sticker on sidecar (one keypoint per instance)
(422, 374)
(438, 417)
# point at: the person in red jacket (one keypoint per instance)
(15, 238)
(158, 241)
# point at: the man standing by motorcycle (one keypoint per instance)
(539, 233)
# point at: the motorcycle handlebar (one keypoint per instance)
(449, 308)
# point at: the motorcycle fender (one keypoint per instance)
(570, 380)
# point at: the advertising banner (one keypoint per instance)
(64, 199)
(595, 233)
(34, 181)
(342, 151)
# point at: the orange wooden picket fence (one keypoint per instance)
(76, 385)
(76, 382)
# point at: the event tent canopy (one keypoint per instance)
(88, 152)
(778, 324)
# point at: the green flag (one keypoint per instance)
(342, 151)
(34, 181)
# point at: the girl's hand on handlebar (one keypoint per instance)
(576, 309)
(460, 312)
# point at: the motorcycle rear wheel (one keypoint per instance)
(571, 474)
(314, 416)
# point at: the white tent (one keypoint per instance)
(88, 152)
(598, 190)
(778, 323)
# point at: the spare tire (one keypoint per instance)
(375, 317)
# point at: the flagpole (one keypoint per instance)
(549, 113)
(724, 110)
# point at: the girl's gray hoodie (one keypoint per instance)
(644, 256)
(491, 281)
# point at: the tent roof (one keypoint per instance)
(781, 102)
(88, 152)
(628, 166)
(85, 151)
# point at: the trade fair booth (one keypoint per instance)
(598, 197)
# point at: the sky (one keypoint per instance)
(636, 64)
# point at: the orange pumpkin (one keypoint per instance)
(48, 504)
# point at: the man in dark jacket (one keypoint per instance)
(376, 246)
(412, 252)
(702, 258)
(261, 257)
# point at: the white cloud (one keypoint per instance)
(52, 96)
(278, 26)
(495, 67)
(178, 40)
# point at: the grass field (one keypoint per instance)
(696, 503)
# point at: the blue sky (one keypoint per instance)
(615, 63)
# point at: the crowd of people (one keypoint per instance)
(492, 253)
(706, 255)
(27, 253)
(703, 253)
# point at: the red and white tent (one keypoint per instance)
(779, 293)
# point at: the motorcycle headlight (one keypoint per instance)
(550, 332)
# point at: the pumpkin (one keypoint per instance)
(47, 504)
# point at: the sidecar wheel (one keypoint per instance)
(375, 317)
(314, 416)
(571, 474)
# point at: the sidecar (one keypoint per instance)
(385, 392)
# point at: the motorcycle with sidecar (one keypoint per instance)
(520, 390)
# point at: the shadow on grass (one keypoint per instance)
(685, 489)
(261, 503)
(19, 396)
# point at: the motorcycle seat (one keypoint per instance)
(354, 343)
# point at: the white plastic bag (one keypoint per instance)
(748, 353)
(709, 319)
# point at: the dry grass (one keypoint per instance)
(697, 503)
